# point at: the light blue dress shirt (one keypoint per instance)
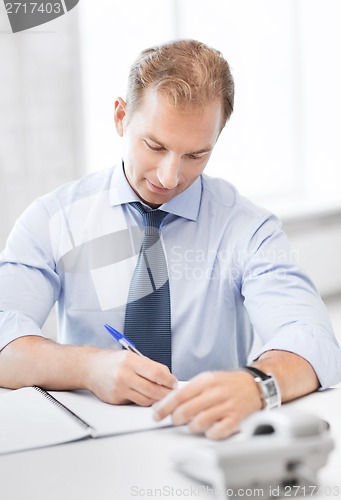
(230, 268)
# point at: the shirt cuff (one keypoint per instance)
(314, 346)
(14, 324)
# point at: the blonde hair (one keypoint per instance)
(188, 72)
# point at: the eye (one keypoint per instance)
(153, 148)
(196, 156)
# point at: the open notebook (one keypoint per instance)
(34, 418)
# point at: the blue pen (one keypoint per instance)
(124, 341)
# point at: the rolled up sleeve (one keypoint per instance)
(14, 324)
(29, 284)
(284, 306)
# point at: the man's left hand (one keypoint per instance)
(213, 403)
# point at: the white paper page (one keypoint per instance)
(29, 420)
(106, 419)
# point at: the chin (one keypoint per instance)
(154, 203)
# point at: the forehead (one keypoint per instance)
(160, 117)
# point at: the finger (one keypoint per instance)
(206, 418)
(197, 405)
(155, 372)
(222, 429)
(135, 389)
(132, 383)
(150, 390)
(138, 398)
(175, 399)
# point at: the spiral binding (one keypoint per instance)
(62, 407)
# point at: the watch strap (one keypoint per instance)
(269, 388)
(255, 371)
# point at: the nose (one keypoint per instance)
(168, 171)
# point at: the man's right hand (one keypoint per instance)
(121, 377)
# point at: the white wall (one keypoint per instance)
(317, 244)
(40, 136)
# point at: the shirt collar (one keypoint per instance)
(186, 204)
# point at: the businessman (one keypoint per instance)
(178, 261)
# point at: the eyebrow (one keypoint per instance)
(206, 149)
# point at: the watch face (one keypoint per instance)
(272, 396)
(271, 393)
(272, 389)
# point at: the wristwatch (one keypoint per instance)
(269, 388)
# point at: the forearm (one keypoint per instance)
(295, 376)
(116, 376)
(39, 361)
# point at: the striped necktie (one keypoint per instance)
(148, 313)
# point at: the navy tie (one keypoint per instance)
(148, 313)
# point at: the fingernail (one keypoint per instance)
(212, 432)
(156, 413)
(175, 385)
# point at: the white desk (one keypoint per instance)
(134, 465)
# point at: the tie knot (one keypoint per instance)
(151, 218)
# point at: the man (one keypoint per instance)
(228, 266)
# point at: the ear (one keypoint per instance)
(120, 113)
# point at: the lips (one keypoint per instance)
(157, 189)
